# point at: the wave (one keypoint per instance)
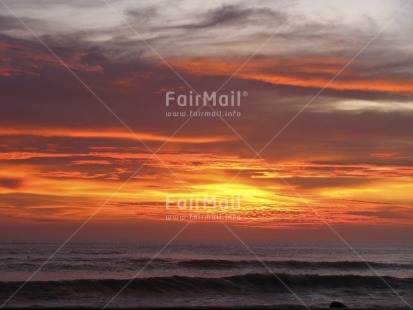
(235, 284)
(205, 264)
(217, 263)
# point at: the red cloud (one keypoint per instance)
(20, 58)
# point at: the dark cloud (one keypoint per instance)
(142, 15)
(8, 22)
(22, 199)
(10, 183)
(324, 182)
(231, 15)
(388, 212)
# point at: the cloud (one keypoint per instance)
(22, 200)
(303, 72)
(231, 15)
(10, 183)
(8, 22)
(388, 212)
(324, 182)
(25, 57)
(111, 134)
(353, 141)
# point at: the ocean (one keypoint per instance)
(206, 275)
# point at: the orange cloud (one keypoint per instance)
(301, 72)
(110, 134)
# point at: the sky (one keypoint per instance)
(323, 136)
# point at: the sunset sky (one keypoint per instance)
(82, 97)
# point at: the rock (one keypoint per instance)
(337, 305)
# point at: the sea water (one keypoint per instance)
(206, 275)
